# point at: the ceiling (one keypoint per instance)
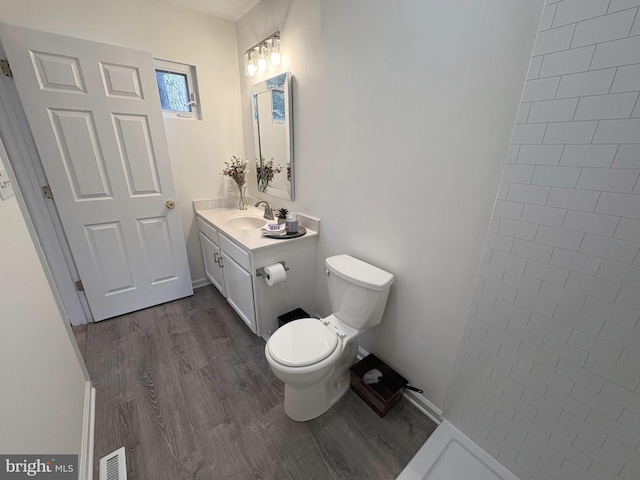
(228, 9)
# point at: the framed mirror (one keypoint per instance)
(272, 134)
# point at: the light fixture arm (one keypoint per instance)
(275, 35)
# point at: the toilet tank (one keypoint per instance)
(357, 291)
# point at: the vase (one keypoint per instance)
(242, 202)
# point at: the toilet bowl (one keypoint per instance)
(312, 356)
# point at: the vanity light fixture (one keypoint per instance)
(263, 55)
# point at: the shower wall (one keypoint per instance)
(547, 378)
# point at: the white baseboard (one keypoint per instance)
(424, 405)
(201, 282)
(419, 401)
(85, 467)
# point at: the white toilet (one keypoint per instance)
(311, 356)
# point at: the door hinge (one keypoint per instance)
(46, 191)
(5, 67)
(79, 286)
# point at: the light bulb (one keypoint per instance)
(262, 55)
(274, 49)
(250, 66)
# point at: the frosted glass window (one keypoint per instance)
(174, 91)
(178, 89)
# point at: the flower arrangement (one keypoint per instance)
(265, 172)
(288, 171)
(237, 170)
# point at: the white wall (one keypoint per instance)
(402, 110)
(402, 117)
(43, 383)
(548, 374)
(198, 148)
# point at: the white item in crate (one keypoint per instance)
(372, 376)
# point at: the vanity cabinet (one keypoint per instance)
(212, 266)
(239, 290)
(232, 260)
(229, 276)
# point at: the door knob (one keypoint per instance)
(170, 204)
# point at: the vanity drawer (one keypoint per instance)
(237, 253)
(208, 230)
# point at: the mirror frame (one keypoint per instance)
(262, 87)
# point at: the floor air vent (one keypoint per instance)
(114, 466)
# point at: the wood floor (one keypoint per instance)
(185, 387)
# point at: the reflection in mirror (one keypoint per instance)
(272, 133)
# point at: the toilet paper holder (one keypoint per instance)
(260, 271)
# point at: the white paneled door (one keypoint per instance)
(95, 115)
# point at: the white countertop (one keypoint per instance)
(250, 239)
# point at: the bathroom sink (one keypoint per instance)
(246, 222)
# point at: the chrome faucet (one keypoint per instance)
(268, 213)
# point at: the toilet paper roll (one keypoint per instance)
(274, 274)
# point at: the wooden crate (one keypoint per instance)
(381, 396)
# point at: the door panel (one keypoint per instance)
(158, 247)
(95, 115)
(109, 255)
(58, 72)
(121, 81)
(136, 152)
(77, 140)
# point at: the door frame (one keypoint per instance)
(23, 156)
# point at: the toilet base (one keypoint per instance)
(307, 403)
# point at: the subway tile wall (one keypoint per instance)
(548, 373)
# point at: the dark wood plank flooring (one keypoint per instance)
(185, 387)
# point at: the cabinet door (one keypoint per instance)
(239, 287)
(211, 253)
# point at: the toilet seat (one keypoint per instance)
(302, 342)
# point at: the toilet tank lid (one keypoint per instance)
(359, 272)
